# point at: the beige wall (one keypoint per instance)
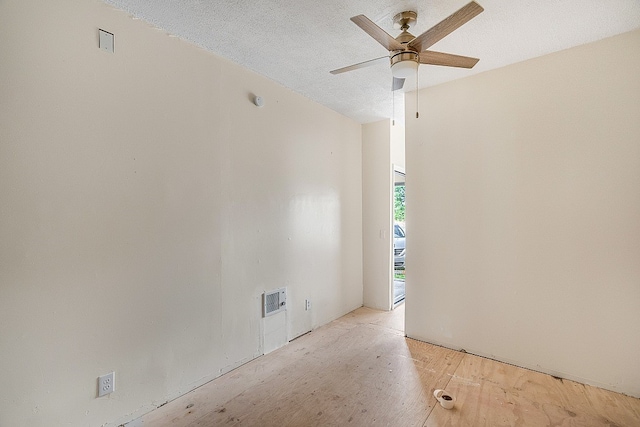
(382, 149)
(146, 204)
(525, 214)
(397, 145)
(377, 238)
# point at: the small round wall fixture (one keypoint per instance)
(258, 100)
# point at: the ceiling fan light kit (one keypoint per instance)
(404, 64)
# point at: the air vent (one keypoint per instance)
(274, 301)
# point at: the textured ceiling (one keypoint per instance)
(297, 43)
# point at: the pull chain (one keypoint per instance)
(393, 114)
(417, 97)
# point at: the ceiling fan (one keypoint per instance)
(406, 51)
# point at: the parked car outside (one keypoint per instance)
(398, 246)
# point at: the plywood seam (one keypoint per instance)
(455, 371)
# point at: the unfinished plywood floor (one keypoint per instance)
(360, 370)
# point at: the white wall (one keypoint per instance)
(377, 239)
(397, 145)
(382, 148)
(146, 205)
(525, 214)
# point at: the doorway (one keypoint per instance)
(399, 236)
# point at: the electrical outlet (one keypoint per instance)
(106, 384)
(307, 305)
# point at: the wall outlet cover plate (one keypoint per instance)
(106, 384)
(106, 41)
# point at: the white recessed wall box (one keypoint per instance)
(106, 41)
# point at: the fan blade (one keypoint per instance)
(448, 60)
(397, 84)
(359, 65)
(377, 33)
(445, 27)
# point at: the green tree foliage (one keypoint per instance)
(398, 203)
